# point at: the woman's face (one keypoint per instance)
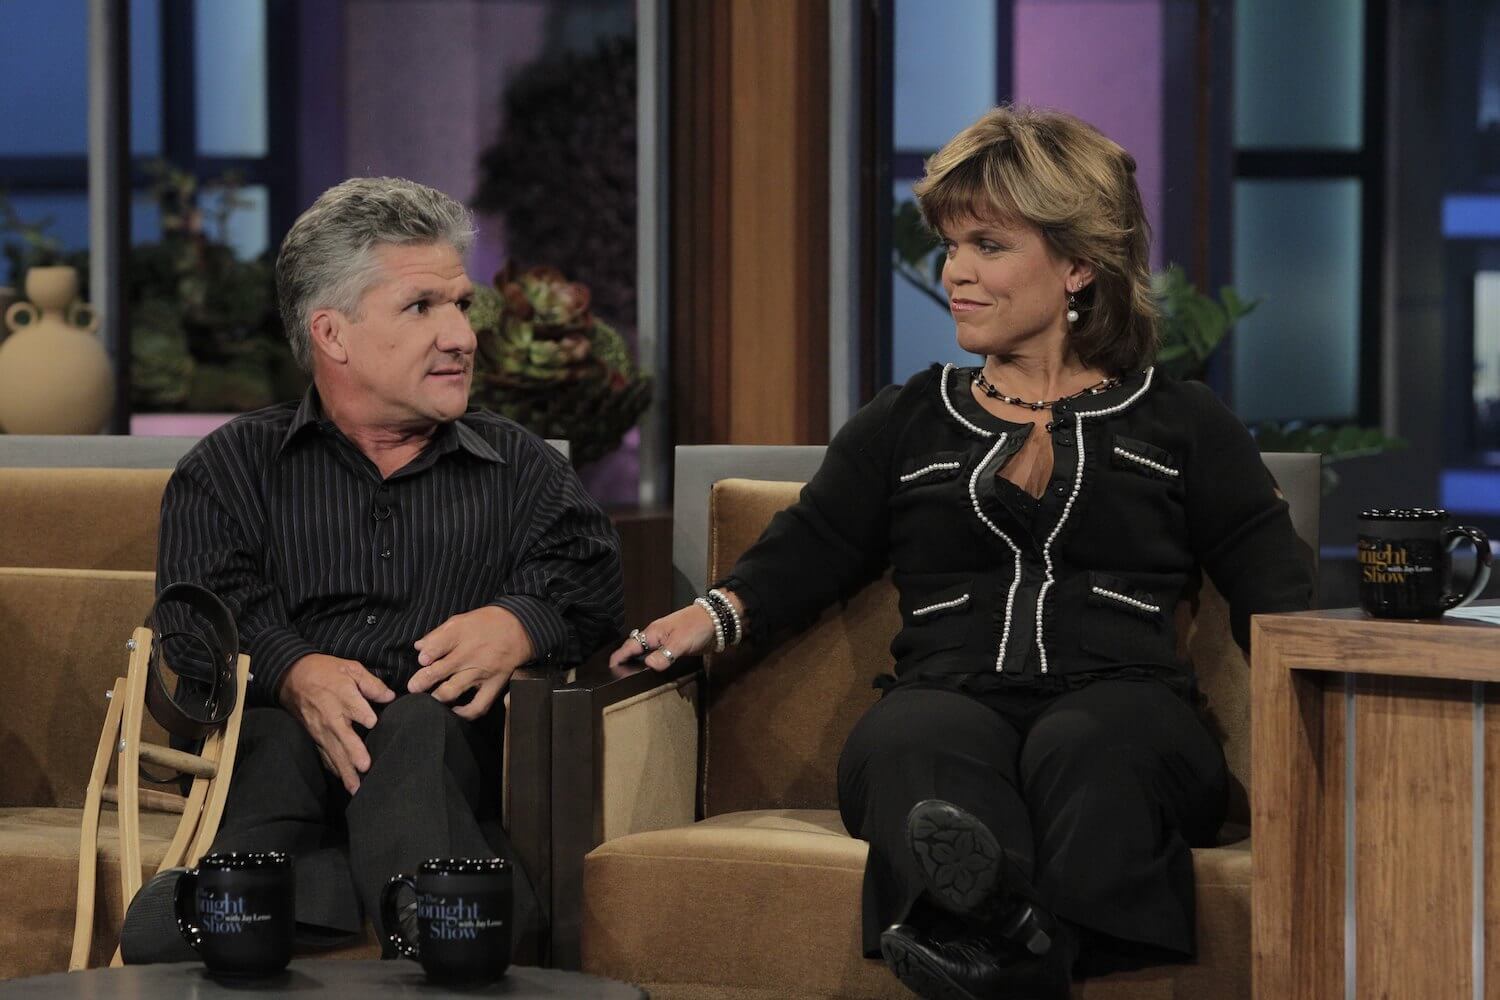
(1006, 289)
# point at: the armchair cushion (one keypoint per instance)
(81, 518)
(773, 729)
(720, 900)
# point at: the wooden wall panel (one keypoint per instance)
(750, 225)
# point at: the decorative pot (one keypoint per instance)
(55, 376)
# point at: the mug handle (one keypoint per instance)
(1452, 539)
(391, 920)
(185, 905)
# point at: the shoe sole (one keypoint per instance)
(966, 871)
(918, 973)
(960, 859)
(149, 931)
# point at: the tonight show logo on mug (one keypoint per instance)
(1406, 564)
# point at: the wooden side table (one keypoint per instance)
(1375, 806)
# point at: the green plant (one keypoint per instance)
(1193, 326)
(28, 244)
(544, 360)
(204, 331)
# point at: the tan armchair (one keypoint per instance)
(760, 896)
(77, 554)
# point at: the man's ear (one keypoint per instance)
(329, 330)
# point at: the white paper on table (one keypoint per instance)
(1489, 614)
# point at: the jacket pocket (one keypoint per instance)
(934, 467)
(1144, 459)
(1109, 591)
(933, 620)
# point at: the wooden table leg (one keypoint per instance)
(1297, 827)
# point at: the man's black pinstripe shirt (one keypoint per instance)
(282, 517)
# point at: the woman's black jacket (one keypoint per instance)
(1152, 481)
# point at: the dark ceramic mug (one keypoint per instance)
(463, 919)
(1406, 563)
(236, 912)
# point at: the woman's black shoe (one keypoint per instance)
(966, 968)
(968, 873)
(963, 969)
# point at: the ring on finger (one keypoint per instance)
(640, 637)
(668, 654)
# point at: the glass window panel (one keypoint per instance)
(249, 227)
(922, 331)
(69, 212)
(1487, 360)
(230, 41)
(945, 69)
(1296, 248)
(1299, 74)
(145, 77)
(44, 71)
(44, 75)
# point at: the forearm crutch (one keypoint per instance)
(214, 720)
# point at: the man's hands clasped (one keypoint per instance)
(474, 651)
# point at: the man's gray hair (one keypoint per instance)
(327, 260)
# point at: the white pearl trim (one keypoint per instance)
(1139, 605)
(943, 391)
(1041, 596)
(940, 606)
(929, 469)
(1015, 582)
(1165, 470)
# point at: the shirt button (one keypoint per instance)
(385, 553)
(369, 619)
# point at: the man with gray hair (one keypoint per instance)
(390, 556)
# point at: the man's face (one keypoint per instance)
(411, 350)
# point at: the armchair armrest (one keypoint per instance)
(528, 787)
(624, 760)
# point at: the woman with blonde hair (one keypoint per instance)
(1036, 771)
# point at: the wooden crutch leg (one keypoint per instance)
(128, 770)
(204, 806)
(88, 848)
(227, 746)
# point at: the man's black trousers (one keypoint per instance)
(432, 791)
(1097, 792)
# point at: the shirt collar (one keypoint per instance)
(458, 434)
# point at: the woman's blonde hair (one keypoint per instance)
(1063, 176)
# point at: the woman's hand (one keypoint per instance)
(686, 632)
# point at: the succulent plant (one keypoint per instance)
(544, 360)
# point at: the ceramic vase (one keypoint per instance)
(55, 376)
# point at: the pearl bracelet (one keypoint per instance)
(713, 615)
(721, 600)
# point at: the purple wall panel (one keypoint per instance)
(422, 86)
(1102, 61)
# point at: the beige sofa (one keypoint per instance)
(760, 897)
(77, 549)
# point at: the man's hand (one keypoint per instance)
(477, 650)
(328, 695)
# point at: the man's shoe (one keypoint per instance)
(149, 933)
(966, 968)
(969, 874)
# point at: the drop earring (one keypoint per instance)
(1072, 309)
